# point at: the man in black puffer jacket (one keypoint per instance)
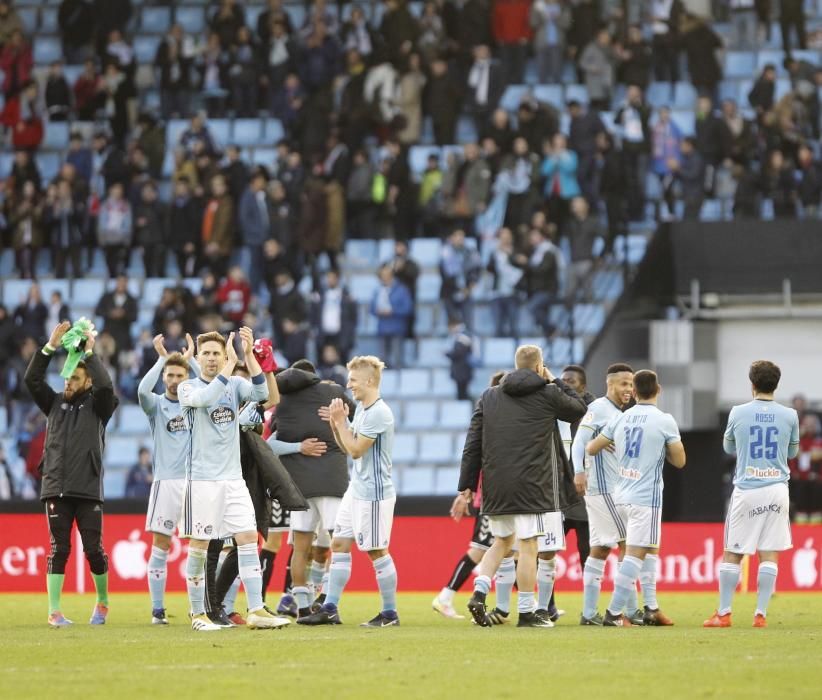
(72, 467)
(515, 444)
(321, 479)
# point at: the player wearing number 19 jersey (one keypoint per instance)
(644, 438)
(764, 435)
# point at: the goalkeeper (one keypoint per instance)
(72, 466)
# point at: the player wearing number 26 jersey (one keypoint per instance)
(764, 435)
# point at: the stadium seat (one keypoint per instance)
(389, 386)
(48, 20)
(195, 284)
(247, 132)
(87, 292)
(131, 420)
(47, 286)
(155, 20)
(153, 290)
(428, 287)
(442, 386)
(414, 382)
(498, 352)
(174, 129)
(114, 480)
(771, 56)
(512, 97)
(4, 421)
(418, 158)
(426, 252)
(122, 451)
(417, 481)
(267, 157)
(436, 448)
(28, 16)
(549, 94)
(455, 414)
(298, 14)
(56, 136)
(432, 352)
(6, 263)
(49, 165)
(15, 292)
(145, 48)
(252, 14)
(405, 448)
(576, 92)
(711, 210)
(47, 49)
(362, 287)
(446, 480)
(192, 19)
(220, 131)
(419, 415)
(274, 131)
(361, 254)
(740, 64)
(467, 130)
(685, 120)
(684, 96)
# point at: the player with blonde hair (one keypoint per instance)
(366, 512)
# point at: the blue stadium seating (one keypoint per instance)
(48, 20)
(145, 48)
(414, 382)
(551, 94)
(192, 19)
(153, 290)
(264, 156)
(426, 252)
(47, 49)
(498, 352)
(455, 415)
(420, 414)
(47, 286)
(405, 447)
(273, 131)
(428, 286)
(121, 451)
(28, 16)
(131, 420)
(246, 132)
(436, 448)
(362, 287)
(446, 480)
(740, 64)
(512, 97)
(360, 254)
(56, 136)
(417, 481)
(156, 20)
(432, 352)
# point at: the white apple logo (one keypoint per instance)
(804, 565)
(130, 557)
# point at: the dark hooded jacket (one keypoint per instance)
(72, 463)
(301, 394)
(514, 442)
(266, 478)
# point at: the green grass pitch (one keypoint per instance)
(428, 657)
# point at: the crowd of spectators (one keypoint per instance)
(528, 202)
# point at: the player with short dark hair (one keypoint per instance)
(643, 436)
(72, 486)
(171, 436)
(763, 435)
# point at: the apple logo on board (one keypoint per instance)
(805, 570)
(130, 556)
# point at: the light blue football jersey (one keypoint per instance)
(170, 432)
(371, 478)
(641, 435)
(212, 411)
(764, 435)
(602, 469)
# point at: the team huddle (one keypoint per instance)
(534, 446)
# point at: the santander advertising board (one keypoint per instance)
(689, 557)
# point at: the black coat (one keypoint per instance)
(72, 463)
(266, 478)
(119, 328)
(514, 442)
(348, 319)
(301, 394)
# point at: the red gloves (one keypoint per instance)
(264, 352)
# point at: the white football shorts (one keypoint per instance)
(368, 523)
(643, 524)
(165, 506)
(758, 520)
(605, 525)
(321, 515)
(217, 509)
